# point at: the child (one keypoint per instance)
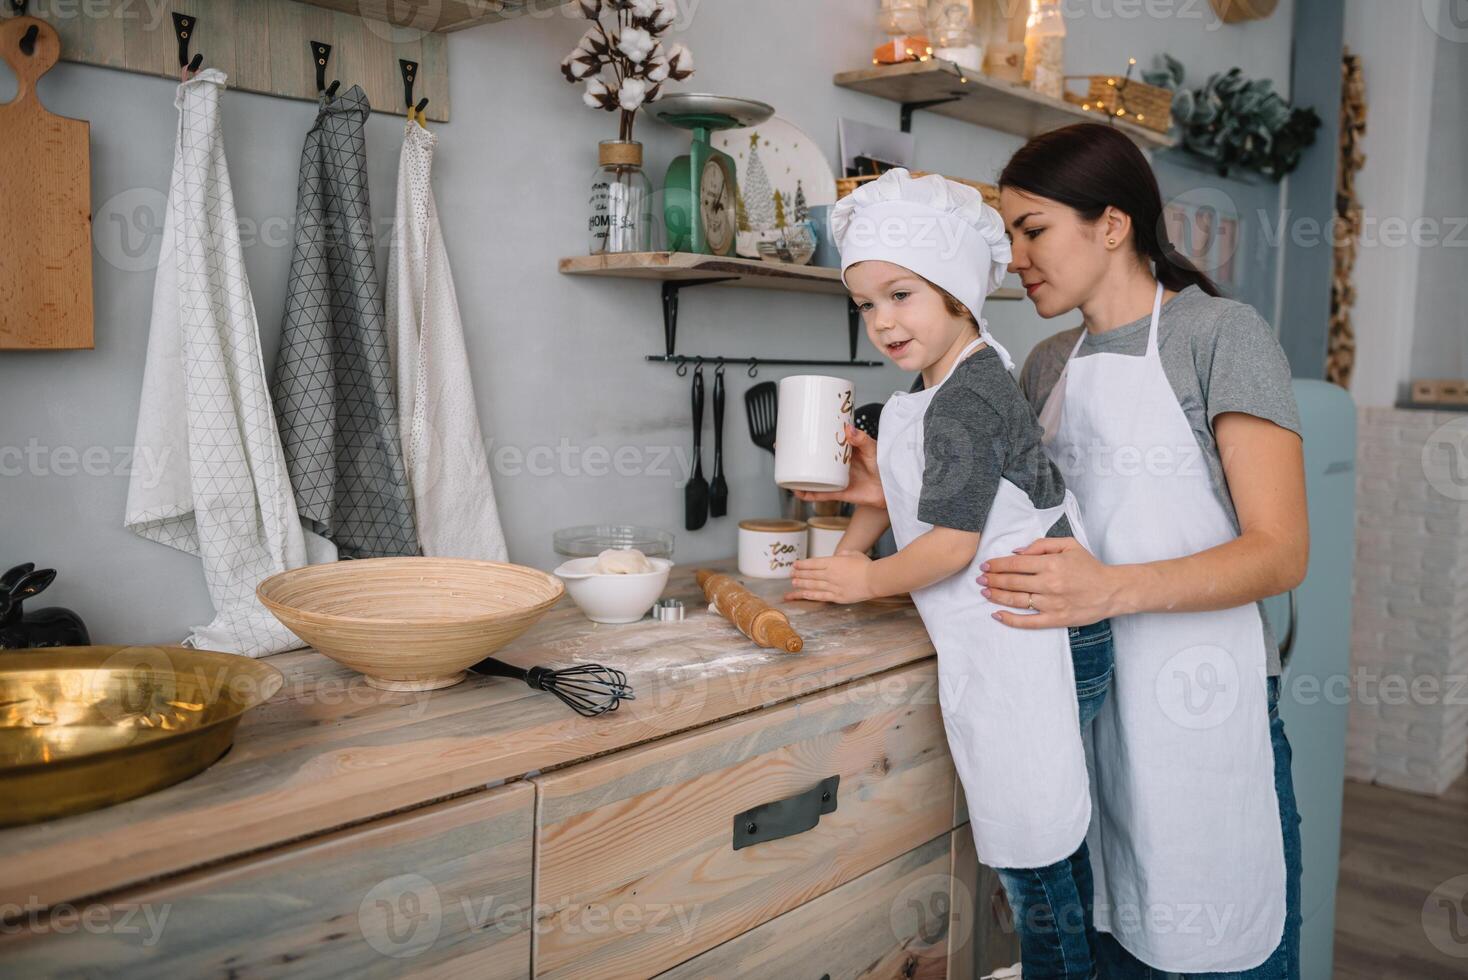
(958, 455)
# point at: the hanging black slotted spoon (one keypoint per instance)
(761, 402)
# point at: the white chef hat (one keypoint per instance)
(938, 228)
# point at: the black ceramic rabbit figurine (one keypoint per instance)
(49, 627)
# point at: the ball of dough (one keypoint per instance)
(622, 561)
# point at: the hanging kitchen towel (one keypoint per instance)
(208, 475)
(333, 382)
(443, 448)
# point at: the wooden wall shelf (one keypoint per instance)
(676, 270)
(976, 98)
(441, 16)
(751, 273)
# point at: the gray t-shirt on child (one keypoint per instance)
(977, 430)
(1219, 356)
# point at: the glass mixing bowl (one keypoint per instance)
(590, 540)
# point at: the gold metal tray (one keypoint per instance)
(86, 727)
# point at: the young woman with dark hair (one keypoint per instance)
(1171, 414)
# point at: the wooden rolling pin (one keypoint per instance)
(752, 615)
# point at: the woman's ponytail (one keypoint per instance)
(1088, 168)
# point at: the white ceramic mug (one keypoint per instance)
(811, 451)
(825, 535)
(770, 548)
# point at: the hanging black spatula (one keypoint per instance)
(761, 402)
(696, 492)
(718, 487)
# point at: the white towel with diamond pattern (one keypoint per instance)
(218, 485)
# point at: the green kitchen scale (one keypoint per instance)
(709, 225)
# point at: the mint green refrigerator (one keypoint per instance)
(1312, 698)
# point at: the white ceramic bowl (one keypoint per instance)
(611, 598)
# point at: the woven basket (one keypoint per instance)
(845, 185)
(1146, 105)
(409, 624)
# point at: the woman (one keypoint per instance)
(1171, 415)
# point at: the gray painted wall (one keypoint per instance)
(557, 362)
(1440, 334)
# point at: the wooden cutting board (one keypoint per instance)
(45, 206)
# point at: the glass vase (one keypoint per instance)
(621, 200)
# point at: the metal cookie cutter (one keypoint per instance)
(668, 610)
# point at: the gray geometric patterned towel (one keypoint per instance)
(333, 386)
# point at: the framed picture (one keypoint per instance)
(1204, 227)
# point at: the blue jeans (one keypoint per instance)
(1284, 963)
(1052, 905)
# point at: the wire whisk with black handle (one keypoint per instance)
(590, 689)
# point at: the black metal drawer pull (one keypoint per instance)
(787, 817)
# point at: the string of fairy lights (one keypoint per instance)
(1122, 111)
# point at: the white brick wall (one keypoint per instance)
(1408, 719)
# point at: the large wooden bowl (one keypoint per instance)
(410, 624)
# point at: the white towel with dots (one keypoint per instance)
(443, 448)
(217, 484)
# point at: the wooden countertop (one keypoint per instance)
(328, 751)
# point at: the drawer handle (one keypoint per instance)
(785, 818)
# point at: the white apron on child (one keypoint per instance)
(1186, 850)
(1008, 695)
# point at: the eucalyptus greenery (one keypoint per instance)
(1234, 122)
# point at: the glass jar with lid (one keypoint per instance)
(621, 200)
(951, 30)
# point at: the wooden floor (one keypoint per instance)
(1397, 847)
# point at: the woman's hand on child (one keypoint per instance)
(842, 578)
(865, 486)
(1058, 578)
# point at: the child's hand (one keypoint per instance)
(843, 578)
(865, 484)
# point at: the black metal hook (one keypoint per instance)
(719, 371)
(682, 369)
(183, 29)
(410, 73)
(754, 367)
(321, 54)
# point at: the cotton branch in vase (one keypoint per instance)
(621, 59)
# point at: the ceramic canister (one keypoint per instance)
(825, 535)
(770, 548)
(811, 451)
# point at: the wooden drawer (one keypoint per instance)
(895, 921)
(443, 890)
(636, 868)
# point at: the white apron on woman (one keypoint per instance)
(1186, 849)
(219, 488)
(443, 449)
(1008, 696)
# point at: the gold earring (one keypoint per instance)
(1111, 241)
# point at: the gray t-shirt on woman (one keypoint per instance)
(1219, 355)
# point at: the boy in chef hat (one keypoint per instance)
(965, 478)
